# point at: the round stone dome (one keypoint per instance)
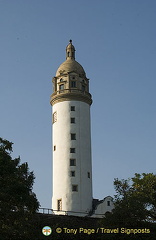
(70, 65)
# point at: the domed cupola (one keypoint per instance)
(70, 82)
(70, 65)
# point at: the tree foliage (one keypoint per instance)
(17, 200)
(135, 199)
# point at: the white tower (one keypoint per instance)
(72, 167)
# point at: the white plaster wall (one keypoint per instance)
(102, 208)
(80, 201)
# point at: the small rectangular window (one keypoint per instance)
(61, 87)
(72, 108)
(75, 188)
(72, 162)
(54, 147)
(73, 136)
(73, 84)
(72, 120)
(72, 173)
(108, 203)
(88, 174)
(72, 150)
(59, 204)
(83, 88)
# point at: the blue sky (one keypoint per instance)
(115, 42)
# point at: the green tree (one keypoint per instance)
(135, 200)
(137, 196)
(18, 202)
(134, 206)
(145, 191)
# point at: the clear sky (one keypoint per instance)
(115, 42)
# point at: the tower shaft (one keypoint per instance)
(72, 166)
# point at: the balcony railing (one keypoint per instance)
(70, 213)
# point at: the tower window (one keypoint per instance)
(61, 79)
(73, 136)
(61, 87)
(72, 108)
(72, 162)
(88, 174)
(72, 120)
(73, 84)
(54, 117)
(75, 188)
(59, 204)
(72, 150)
(108, 203)
(54, 147)
(72, 173)
(83, 88)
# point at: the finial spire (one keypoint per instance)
(70, 51)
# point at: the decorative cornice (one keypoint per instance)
(70, 96)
